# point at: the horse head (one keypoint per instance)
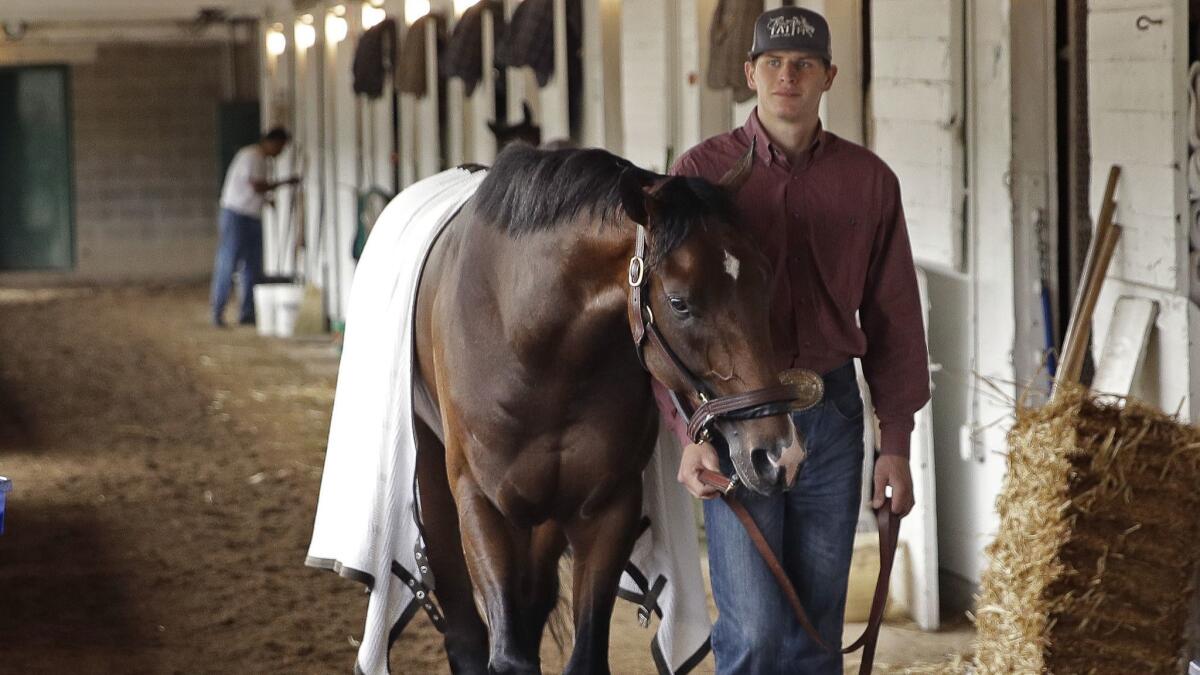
(524, 131)
(708, 289)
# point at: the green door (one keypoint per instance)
(36, 230)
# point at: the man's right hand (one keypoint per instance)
(698, 456)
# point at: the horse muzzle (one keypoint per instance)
(768, 470)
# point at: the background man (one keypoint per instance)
(240, 239)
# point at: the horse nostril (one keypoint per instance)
(764, 463)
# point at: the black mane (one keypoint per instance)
(529, 190)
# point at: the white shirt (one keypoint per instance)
(238, 195)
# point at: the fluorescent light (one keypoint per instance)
(372, 16)
(336, 28)
(415, 9)
(276, 43)
(306, 35)
(461, 6)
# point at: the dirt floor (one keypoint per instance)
(165, 477)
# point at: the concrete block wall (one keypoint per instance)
(917, 118)
(145, 160)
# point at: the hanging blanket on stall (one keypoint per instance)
(730, 38)
(367, 526)
(410, 60)
(373, 58)
(529, 40)
(463, 57)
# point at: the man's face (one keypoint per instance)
(272, 148)
(789, 84)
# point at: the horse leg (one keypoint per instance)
(493, 548)
(539, 592)
(601, 546)
(466, 636)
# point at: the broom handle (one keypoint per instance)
(1078, 329)
(1072, 362)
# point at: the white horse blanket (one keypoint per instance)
(367, 523)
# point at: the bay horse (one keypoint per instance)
(546, 413)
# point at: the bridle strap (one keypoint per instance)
(775, 400)
(889, 538)
(760, 403)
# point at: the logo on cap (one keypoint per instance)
(789, 26)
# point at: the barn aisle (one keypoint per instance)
(165, 478)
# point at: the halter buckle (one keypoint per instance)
(637, 271)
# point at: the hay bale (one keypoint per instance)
(1091, 569)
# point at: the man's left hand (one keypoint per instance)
(893, 470)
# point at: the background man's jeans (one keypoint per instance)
(811, 529)
(241, 241)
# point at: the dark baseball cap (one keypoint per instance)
(791, 29)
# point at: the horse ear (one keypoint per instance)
(633, 196)
(736, 177)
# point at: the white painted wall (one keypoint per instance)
(647, 82)
(917, 118)
(1136, 80)
(602, 74)
(921, 128)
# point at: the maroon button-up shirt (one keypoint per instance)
(833, 225)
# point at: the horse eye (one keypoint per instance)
(679, 305)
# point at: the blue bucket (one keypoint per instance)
(5, 488)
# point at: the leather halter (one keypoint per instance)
(805, 390)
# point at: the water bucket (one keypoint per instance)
(264, 308)
(5, 488)
(287, 308)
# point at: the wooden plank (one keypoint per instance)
(1125, 348)
(1099, 257)
(1091, 278)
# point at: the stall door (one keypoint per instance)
(35, 169)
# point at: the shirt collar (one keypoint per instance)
(766, 150)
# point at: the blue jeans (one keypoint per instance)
(811, 529)
(240, 242)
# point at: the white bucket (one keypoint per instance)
(287, 308)
(264, 308)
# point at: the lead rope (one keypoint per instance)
(889, 535)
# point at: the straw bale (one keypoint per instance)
(1091, 569)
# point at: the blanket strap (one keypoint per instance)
(422, 593)
(649, 604)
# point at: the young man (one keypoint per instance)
(828, 214)
(240, 235)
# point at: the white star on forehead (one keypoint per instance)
(732, 265)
